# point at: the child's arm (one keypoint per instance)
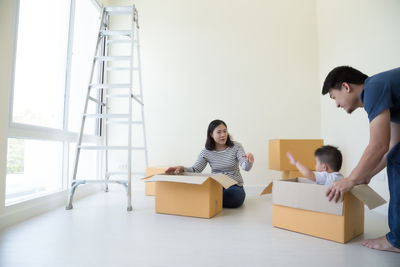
(303, 169)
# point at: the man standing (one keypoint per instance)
(380, 97)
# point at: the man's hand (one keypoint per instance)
(292, 160)
(174, 170)
(338, 189)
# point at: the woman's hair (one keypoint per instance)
(210, 143)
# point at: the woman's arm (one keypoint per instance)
(245, 160)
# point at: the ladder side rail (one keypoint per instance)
(105, 80)
(141, 89)
(77, 152)
(129, 174)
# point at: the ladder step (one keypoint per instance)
(136, 97)
(113, 58)
(119, 10)
(93, 181)
(125, 173)
(115, 33)
(124, 122)
(121, 41)
(123, 95)
(97, 101)
(120, 68)
(110, 85)
(109, 148)
(106, 116)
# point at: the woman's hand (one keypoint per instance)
(249, 157)
(174, 170)
(337, 190)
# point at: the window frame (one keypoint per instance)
(34, 132)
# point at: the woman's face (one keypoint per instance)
(220, 134)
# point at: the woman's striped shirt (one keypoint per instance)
(226, 162)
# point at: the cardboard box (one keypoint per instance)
(291, 174)
(302, 149)
(300, 205)
(190, 194)
(150, 187)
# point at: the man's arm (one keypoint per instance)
(394, 140)
(377, 148)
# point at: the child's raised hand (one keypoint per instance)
(292, 160)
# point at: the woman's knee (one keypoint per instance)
(233, 198)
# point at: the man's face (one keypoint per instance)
(345, 98)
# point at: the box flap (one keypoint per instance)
(181, 178)
(268, 189)
(303, 195)
(367, 195)
(224, 180)
(192, 178)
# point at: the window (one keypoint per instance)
(48, 94)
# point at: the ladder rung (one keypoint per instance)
(119, 10)
(121, 41)
(120, 68)
(124, 122)
(97, 101)
(100, 181)
(115, 32)
(106, 116)
(136, 97)
(111, 147)
(112, 58)
(110, 85)
(125, 173)
(123, 95)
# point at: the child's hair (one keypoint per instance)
(330, 155)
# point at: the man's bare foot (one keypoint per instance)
(379, 243)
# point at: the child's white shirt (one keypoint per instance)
(327, 178)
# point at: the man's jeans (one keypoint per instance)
(393, 172)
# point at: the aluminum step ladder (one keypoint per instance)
(105, 86)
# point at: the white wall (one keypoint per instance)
(252, 64)
(364, 35)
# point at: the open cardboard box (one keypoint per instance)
(300, 205)
(190, 194)
(150, 187)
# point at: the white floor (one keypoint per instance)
(100, 232)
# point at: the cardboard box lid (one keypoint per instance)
(299, 193)
(192, 178)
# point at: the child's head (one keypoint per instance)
(328, 158)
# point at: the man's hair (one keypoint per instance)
(342, 74)
(210, 142)
(331, 156)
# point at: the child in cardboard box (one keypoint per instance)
(328, 163)
(224, 156)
